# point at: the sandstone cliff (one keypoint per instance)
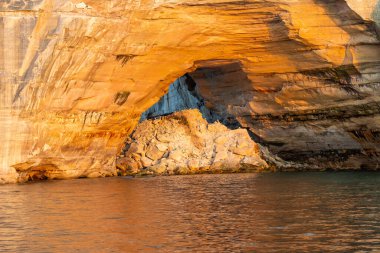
(302, 75)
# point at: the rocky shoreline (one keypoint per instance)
(185, 143)
(181, 143)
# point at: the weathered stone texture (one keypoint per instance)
(195, 146)
(76, 75)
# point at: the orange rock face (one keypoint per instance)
(303, 75)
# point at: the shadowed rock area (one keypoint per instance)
(183, 94)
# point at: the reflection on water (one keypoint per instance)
(204, 213)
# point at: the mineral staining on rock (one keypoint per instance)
(76, 76)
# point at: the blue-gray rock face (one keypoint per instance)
(183, 94)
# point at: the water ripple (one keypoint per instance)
(299, 212)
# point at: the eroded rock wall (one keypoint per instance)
(76, 76)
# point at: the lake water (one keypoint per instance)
(284, 212)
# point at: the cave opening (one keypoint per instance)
(220, 90)
(213, 96)
(183, 94)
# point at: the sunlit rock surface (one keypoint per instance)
(302, 75)
(184, 143)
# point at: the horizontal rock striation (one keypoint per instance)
(302, 76)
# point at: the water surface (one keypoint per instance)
(284, 212)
